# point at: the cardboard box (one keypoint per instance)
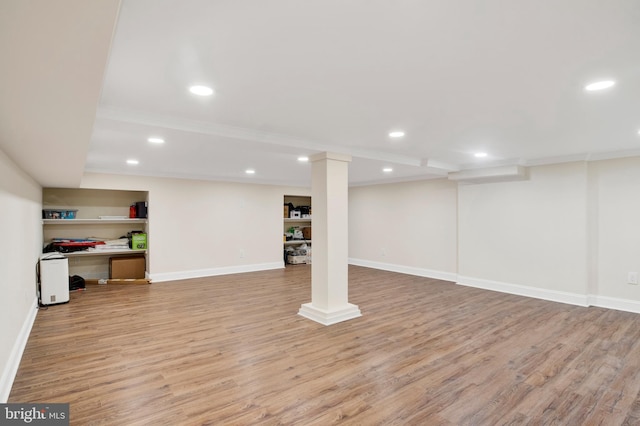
(297, 260)
(127, 267)
(286, 211)
(138, 241)
(306, 232)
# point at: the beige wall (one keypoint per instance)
(199, 228)
(407, 227)
(617, 194)
(569, 233)
(21, 230)
(530, 233)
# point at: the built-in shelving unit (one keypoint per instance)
(76, 222)
(91, 205)
(121, 252)
(296, 242)
(297, 223)
(289, 220)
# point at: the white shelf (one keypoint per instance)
(289, 220)
(92, 221)
(296, 242)
(103, 253)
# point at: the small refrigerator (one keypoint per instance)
(53, 279)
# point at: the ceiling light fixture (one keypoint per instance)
(480, 154)
(387, 170)
(201, 90)
(250, 171)
(156, 140)
(133, 162)
(599, 85)
(303, 159)
(396, 134)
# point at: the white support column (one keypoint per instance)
(329, 268)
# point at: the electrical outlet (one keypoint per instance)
(632, 278)
(241, 253)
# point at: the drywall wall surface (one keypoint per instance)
(618, 226)
(411, 224)
(528, 233)
(21, 230)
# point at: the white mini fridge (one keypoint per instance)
(54, 279)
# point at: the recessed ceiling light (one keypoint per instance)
(480, 154)
(396, 134)
(303, 159)
(250, 171)
(387, 170)
(599, 85)
(156, 140)
(201, 90)
(133, 162)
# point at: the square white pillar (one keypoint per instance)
(329, 269)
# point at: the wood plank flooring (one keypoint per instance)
(231, 350)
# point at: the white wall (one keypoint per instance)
(569, 233)
(200, 228)
(21, 230)
(618, 227)
(405, 227)
(527, 233)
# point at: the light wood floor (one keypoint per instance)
(231, 350)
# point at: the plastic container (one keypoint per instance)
(58, 214)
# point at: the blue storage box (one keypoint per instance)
(58, 214)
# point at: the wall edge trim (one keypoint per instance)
(614, 303)
(521, 290)
(409, 270)
(11, 368)
(210, 272)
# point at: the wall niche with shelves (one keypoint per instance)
(100, 215)
(300, 224)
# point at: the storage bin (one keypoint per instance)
(58, 214)
(138, 241)
(297, 260)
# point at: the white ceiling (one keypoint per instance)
(52, 60)
(298, 77)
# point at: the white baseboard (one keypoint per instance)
(521, 290)
(325, 317)
(615, 303)
(11, 368)
(502, 287)
(409, 270)
(226, 270)
(553, 295)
